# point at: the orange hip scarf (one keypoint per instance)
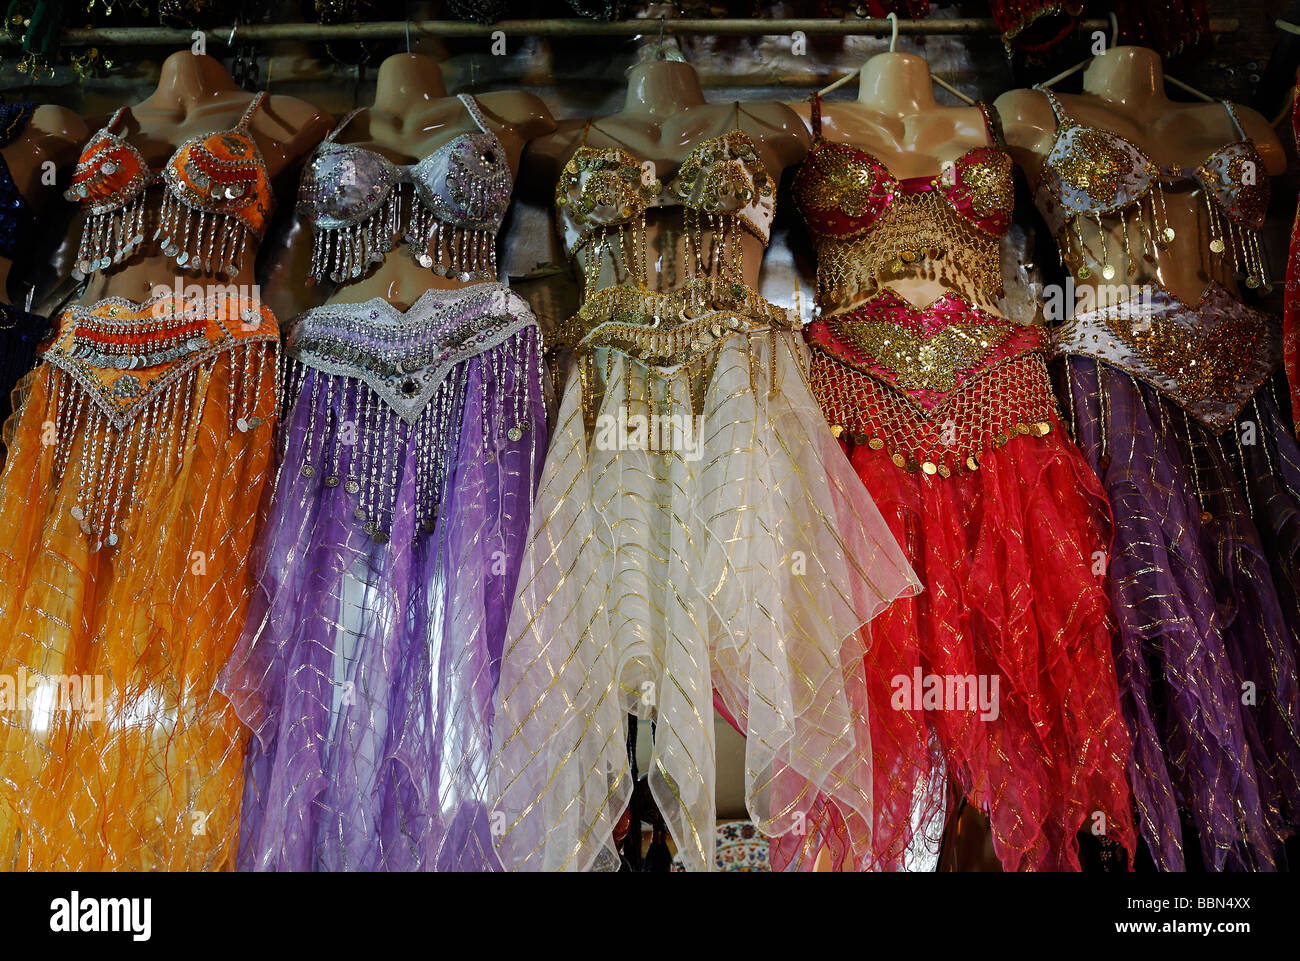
(128, 506)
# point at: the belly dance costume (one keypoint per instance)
(20, 331)
(697, 530)
(409, 459)
(1175, 407)
(129, 506)
(948, 416)
(1291, 299)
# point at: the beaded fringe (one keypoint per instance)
(109, 458)
(345, 253)
(363, 442)
(1010, 400)
(109, 238)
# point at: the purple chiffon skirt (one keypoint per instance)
(1203, 579)
(410, 454)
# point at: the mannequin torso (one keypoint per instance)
(412, 117)
(54, 135)
(1124, 94)
(196, 95)
(665, 115)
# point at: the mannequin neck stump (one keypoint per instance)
(1130, 76)
(662, 87)
(896, 84)
(407, 77)
(186, 77)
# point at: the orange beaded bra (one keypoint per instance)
(218, 192)
(1092, 173)
(867, 223)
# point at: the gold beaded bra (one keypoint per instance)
(866, 223)
(601, 201)
(1092, 173)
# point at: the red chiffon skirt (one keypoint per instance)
(1013, 558)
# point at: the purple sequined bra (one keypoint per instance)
(455, 200)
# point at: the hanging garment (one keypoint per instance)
(947, 413)
(1291, 298)
(130, 498)
(696, 529)
(1174, 406)
(410, 457)
(20, 331)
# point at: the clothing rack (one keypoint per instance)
(397, 29)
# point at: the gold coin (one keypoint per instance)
(875, 443)
(837, 429)
(945, 471)
(912, 465)
(1168, 235)
(1108, 272)
(899, 460)
(972, 463)
(1216, 245)
(929, 468)
(1084, 272)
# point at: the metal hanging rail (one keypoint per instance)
(396, 29)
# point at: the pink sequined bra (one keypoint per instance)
(867, 223)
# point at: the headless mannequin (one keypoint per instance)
(897, 120)
(664, 116)
(196, 95)
(54, 135)
(413, 116)
(1124, 93)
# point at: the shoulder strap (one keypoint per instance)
(251, 109)
(992, 124)
(815, 114)
(1236, 121)
(472, 108)
(1057, 110)
(347, 119)
(113, 120)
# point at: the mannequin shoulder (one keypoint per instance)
(777, 127)
(557, 146)
(294, 123)
(524, 114)
(59, 123)
(545, 156)
(1265, 139)
(1025, 112)
(54, 133)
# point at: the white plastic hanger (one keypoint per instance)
(893, 42)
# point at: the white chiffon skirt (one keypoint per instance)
(745, 561)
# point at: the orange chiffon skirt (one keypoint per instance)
(128, 507)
